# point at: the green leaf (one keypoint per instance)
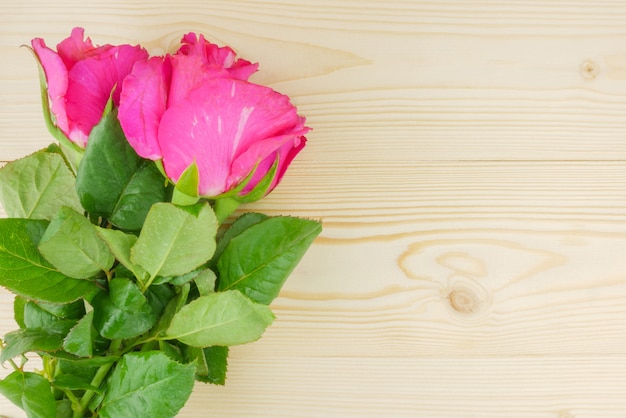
(79, 340)
(37, 317)
(225, 318)
(158, 297)
(19, 304)
(64, 409)
(37, 186)
(145, 187)
(25, 272)
(205, 282)
(73, 310)
(178, 280)
(147, 384)
(84, 372)
(211, 363)
(31, 392)
(67, 381)
(72, 245)
(120, 244)
(258, 260)
(25, 340)
(113, 181)
(242, 223)
(123, 312)
(84, 368)
(172, 350)
(166, 317)
(175, 241)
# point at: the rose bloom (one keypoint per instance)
(197, 106)
(80, 78)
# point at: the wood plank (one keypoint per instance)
(550, 89)
(493, 387)
(468, 163)
(502, 387)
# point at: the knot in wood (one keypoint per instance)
(589, 69)
(463, 301)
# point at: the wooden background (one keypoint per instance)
(468, 161)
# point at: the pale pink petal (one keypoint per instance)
(142, 104)
(57, 80)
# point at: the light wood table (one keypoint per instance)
(468, 161)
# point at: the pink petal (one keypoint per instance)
(242, 70)
(142, 104)
(124, 58)
(188, 74)
(57, 80)
(271, 113)
(219, 121)
(90, 84)
(286, 155)
(191, 132)
(285, 148)
(73, 49)
(217, 57)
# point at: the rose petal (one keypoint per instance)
(189, 73)
(217, 123)
(191, 132)
(217, 57)
(125, 57)
(285, 148)
(90, 84)
(142, 104)
(57, 80)
(271, 114)
(74, 48)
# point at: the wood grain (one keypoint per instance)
(468, 162)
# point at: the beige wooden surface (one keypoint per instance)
(468, 161)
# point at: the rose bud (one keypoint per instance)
(80, 78)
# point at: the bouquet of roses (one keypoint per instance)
(130, 283)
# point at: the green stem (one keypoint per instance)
(145, 286)
(15, 366)
(224, 207)
(97, 380)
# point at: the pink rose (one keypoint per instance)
(80, 79)
(197, 106)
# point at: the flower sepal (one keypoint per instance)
(72, 152)
(186, 188)
(226, 203)
(257, 192)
